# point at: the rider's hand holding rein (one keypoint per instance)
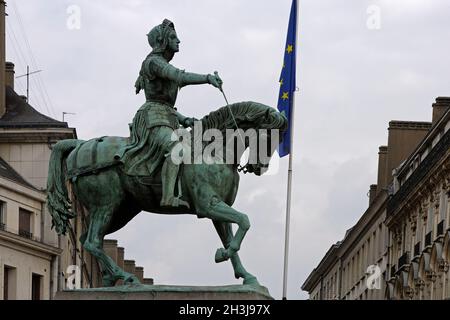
(189, 122)
(215, 80)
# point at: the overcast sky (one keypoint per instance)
(353, 77)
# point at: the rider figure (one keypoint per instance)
(157, 119)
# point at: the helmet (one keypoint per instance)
(157, 37)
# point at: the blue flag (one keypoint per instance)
(287, 80)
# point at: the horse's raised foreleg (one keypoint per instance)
(222, 212)
(225, 232)
(111, 272)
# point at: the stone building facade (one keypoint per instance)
(26, 139)
(391, 253)
(418, 216)
(342, 272)
(35, 262)
(25, 256)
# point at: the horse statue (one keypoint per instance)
(112, 198)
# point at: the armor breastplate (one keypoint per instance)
(158, 89)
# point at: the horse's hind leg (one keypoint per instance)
(99, 221)
(225, 233)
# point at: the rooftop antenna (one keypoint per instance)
(28, 80)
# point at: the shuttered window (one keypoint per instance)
(25, 223)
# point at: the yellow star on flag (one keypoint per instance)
(285, 96)
(281, 82)
(290, 48)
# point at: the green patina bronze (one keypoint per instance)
(115, 178)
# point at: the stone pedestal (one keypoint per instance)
(164, 292)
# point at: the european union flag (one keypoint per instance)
(287, 80)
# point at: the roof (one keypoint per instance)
(19, 114)
(309, 283)
(6, 171)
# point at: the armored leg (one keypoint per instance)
(169, 176)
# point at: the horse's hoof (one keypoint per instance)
(131, 279)
(108, 281)
(251, 281)
(221, 255)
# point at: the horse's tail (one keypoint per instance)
(58, 202)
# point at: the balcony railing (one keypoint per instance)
(22, 233)
(417, 249)
(428, 239)
(440, 228)
(25, 234)
(403, 260)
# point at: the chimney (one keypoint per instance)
(440, 107)
(130, 266)
(139, 273)
(120, 257)
(2, 58)
(382, 168)
(9, 76)
(372, 193)
(404, 136)
(148, 281)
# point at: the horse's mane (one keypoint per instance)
(243, 112)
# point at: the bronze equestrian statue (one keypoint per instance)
(115, 178)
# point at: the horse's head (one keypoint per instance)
(271, 127)
(267, 141)
(248, 125)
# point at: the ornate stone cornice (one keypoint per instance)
(413, 220)
(424, 209)
(443, 266)
(36, 135)
(398, 236)
(420, 176)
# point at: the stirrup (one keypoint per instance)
(175, 202)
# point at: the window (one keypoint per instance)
(36, 286)
(380, 241)
(374, 248)
(5, 284)
(364, 258)
(25, 223)
(447, 211)
(358, 266)
(9, 283)
(2, 216)
(430, 219)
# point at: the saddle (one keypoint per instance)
(95, 155)
(92, 156)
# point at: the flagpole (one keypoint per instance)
(289, 182)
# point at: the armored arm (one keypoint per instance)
(167, 71)
(185, 121)
(184, 78)
(188, 78)
(181, 118)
